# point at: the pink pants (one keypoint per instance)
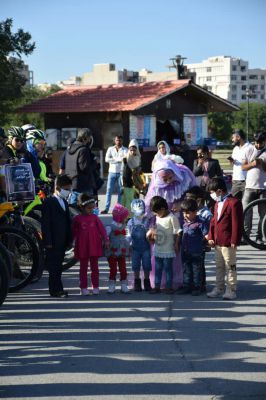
(83, 272)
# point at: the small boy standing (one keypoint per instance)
(56, 232)
(194, 231)
(225, 234)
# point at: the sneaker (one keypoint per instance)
(84, 292)
(229, 294)
(111, 288)
(124, 288)
(95, 291)
(215, 293)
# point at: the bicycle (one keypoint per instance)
(256, 237)
(5, 272)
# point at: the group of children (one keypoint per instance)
(189, 228)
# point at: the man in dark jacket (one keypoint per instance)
(205, 167)
(78, 163)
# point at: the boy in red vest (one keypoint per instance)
(225, 234)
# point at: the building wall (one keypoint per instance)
(230, 78)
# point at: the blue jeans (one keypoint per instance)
(113, 178)
(141, 258)
(192, 270)
(160, 265)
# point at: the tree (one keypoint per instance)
(256, 120)
(14, 44)
(220, 125)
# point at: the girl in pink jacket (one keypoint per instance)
(90, 238)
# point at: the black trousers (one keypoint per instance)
(54, 261)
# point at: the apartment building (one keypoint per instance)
(23, 70)
(231, 79)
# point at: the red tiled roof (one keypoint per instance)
(121, 97)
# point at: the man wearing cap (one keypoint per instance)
(255, 181)
(240, 154)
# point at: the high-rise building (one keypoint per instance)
(230, 78)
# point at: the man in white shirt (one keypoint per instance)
(255, 182)
(240, 154)
(114, 156)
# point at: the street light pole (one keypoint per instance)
(247, 121)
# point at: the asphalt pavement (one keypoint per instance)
(136, 346)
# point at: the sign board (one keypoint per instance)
(19, 182)
(143, 128)
(195, 128)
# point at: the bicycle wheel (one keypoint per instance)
(255, 235)
(24, 256)
(4, 277)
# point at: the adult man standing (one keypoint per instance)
(255, 181)
(78, 163)
(114, 156)
(240, 154)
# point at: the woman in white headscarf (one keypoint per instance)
(163, 153)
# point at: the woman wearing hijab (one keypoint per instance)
(164, 153)
(131, 167)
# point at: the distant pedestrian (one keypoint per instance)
(131, 167)
(90, 238)
(242, 150)
(206, 167)
(114, 157)
(255, 182)
(56, 233)
(225, 234)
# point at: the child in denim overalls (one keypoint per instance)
(141, 253)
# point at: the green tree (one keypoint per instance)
(220, 125)
(11, 82)
(256, 120)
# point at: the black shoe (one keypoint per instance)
(147, 285)
(104, 212)
(137, 285)
(155, 290)
(168, 291)
(183, 290)
(63, 293)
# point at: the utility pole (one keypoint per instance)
(247, 117)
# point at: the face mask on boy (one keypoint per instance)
(215, 197)
(64, 193)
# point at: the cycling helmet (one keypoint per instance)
(16, 131)
(35, 134)
(2, 133)
(28, 127)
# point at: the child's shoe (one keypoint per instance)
(95, 291)
(183, 290)
(84, 292)
(124, 288)
(229, 294)
(215, 292)
(111, 288)
(147, 285)
(137, 285)
(155, 290)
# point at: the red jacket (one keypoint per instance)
(228, 229)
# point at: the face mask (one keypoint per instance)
(237, 143)
(64, 193)
(215, 197)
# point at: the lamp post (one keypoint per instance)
(247, 118)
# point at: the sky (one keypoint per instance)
(72, 35)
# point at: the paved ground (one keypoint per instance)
(136, 346)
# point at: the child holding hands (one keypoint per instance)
(90, 236)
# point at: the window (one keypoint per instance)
(209, 78)
(234, 67)
(243, 97)
(234, 87)
(209, 69)
(233, 96)
(233, 77)
(253, 87)
(243, 78)
(243, 68)
(209, 88)
(243, 87)
(262, 77)
(253, 77)
(262, 87)
(262, 96)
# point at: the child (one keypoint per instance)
(90, 236)
(225, 234)
(194, 230)
(119, 248)
(141, 252)
(197, 193)
(56, 232)
(165, 236)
